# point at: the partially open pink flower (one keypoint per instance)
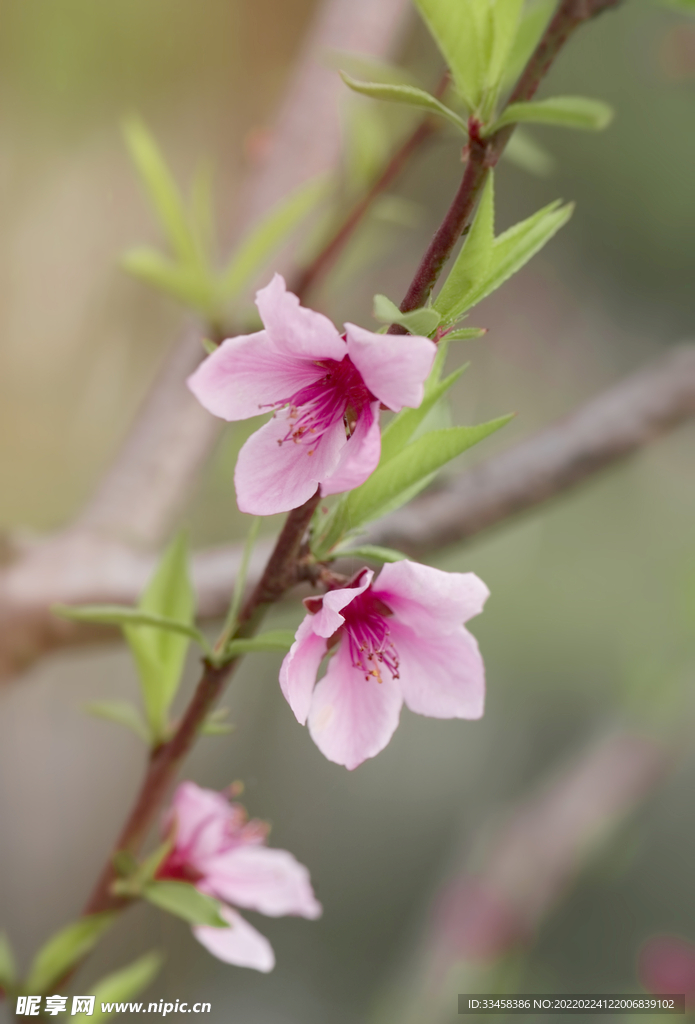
(224, 855)
(324, 390)
(399, 638)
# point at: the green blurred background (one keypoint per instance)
(591, 623)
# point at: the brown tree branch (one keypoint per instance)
(484, 153)
(81, 569)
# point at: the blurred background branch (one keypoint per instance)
(80, 566)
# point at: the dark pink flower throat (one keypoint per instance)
(340, 394)
(368, 635)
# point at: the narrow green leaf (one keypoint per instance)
(273, 640)
(215, 724)
(122, 986)
(473, 262)
(362, 65)
(124, 615)
(562, 111)
(121, 712)
(523, 151)
(514, 248)
(186, 283)
(202, 215)
(372, 553)
(402, 427)
(506, 16)
(160, 652)
(466, 333)
(184, 900)
(402, 477)
(418, 321)
(408, 94)
(269, 233)
(65, 949)
(531, 26)
(8, 966)
(462, 30)
(230, 624)
(161, 187)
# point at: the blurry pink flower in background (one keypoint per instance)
(398, 639)
(224, 855)
(325, 391)
(666, 966)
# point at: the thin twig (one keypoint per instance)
(279, 575)
(484, 153)
(617, 423)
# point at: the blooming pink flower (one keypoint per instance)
(398, 639)
(224, 855)
(324, 390)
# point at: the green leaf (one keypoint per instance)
(215, 724)
(184, 900)
(523, 151)
(506, 15)
(372, 553)
(65, 949)
(159, 651)
(273, 640)
(161, 187)
(122, 986)
(466, 333)
(363, 65)
(533, 22)
(408, 94)
(123, 713)
(562, 111)
(513, 249)
(462, 31)
(417, 321)
(269, 233)
(476, 38)
(125, 615)
(8, 966)
(473, 262)
(402, 427)
(189, 284)
(403, 476)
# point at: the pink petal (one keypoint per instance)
(394, 367)
(244, 377)
(202, 819)
(295, 330)
(239, 944)
(299, 669)
(353, 718)
(429, 600)
(329, 620)
(272, 477)
(442, 676)
(360, 456)
(258, 878)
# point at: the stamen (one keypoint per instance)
(339, 394)
(368, 636)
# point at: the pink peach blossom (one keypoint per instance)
(399, 638)
(324, 390)
(224, 855)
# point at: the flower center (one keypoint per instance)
(339, 394)
(367, 633)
